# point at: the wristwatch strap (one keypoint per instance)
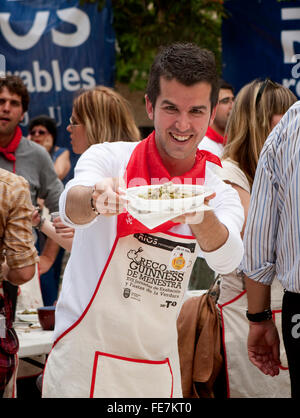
(266, 315)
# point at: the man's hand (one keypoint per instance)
(109, 196)
(193, 218)
(263, 347)
(63, 230)
(108, 199)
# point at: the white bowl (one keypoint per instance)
(184, 204)
(31, 316)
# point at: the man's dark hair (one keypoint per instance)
(16, 86)
(188, 64)
(224, 85)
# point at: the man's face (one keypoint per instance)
(181, 117)
(11, 112)
(225, 103)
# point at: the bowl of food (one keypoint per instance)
(46, 315)
(166, 198)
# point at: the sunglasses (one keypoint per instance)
(262, 88)
(38, 132)
(73, 122)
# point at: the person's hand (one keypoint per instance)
(193, 217)
(62, 229)
(35, 218)
(36, 215)
(263, 347)
(109, 196)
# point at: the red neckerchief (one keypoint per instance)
(214, 136)
(9, 151)
(146, 167)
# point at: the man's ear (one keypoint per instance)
(149, 108)
(213, 114)
(22, 117)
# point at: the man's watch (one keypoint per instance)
(266, 315)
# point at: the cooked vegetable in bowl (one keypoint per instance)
(167, 191)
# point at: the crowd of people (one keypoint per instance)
(115, 333)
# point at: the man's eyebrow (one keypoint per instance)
(168, 102)
(165, 101)
(199, 107)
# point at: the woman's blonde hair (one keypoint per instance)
(250, 120)
(106, 116)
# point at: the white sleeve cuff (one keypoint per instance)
(228, 257)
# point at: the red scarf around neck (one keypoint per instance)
(214, 136)
(9, 151)
(146, 167)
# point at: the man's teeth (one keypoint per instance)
(181, 138)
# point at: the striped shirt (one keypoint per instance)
(16, 240)
(272, 235)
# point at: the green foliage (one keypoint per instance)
(141, 26)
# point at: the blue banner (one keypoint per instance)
(57, 48)
(261, 38)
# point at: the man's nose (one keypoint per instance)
(6, 106)
(182, 123)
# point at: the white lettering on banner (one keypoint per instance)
(71, 15)
(52, 115)
(27, 41)
(76, 17)
(42, 81)
(2, 65)
(288, 37)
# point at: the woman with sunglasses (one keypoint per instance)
(98, 115)
(258, 107)
(43, 131)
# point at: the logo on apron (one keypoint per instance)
(126, 292)
(180, 259)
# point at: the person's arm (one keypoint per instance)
(259, 264)
(105, 197)
(48, 255)
(20, 252)
(50, 186)
(18, 276)
(263, 338)
(64, 238)
(218, 231)
(211, 234)
(62, 164)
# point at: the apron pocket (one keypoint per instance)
(123, 377)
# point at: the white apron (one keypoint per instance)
(244, 380)
(125, 342)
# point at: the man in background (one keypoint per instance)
(18, 257)
(214, 140)
(27, 159)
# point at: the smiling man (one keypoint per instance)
(115, 332)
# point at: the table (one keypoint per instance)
(33, 341)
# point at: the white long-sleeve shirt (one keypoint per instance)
(93, 242)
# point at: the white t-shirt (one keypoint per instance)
(211, 146)
(93, 242)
